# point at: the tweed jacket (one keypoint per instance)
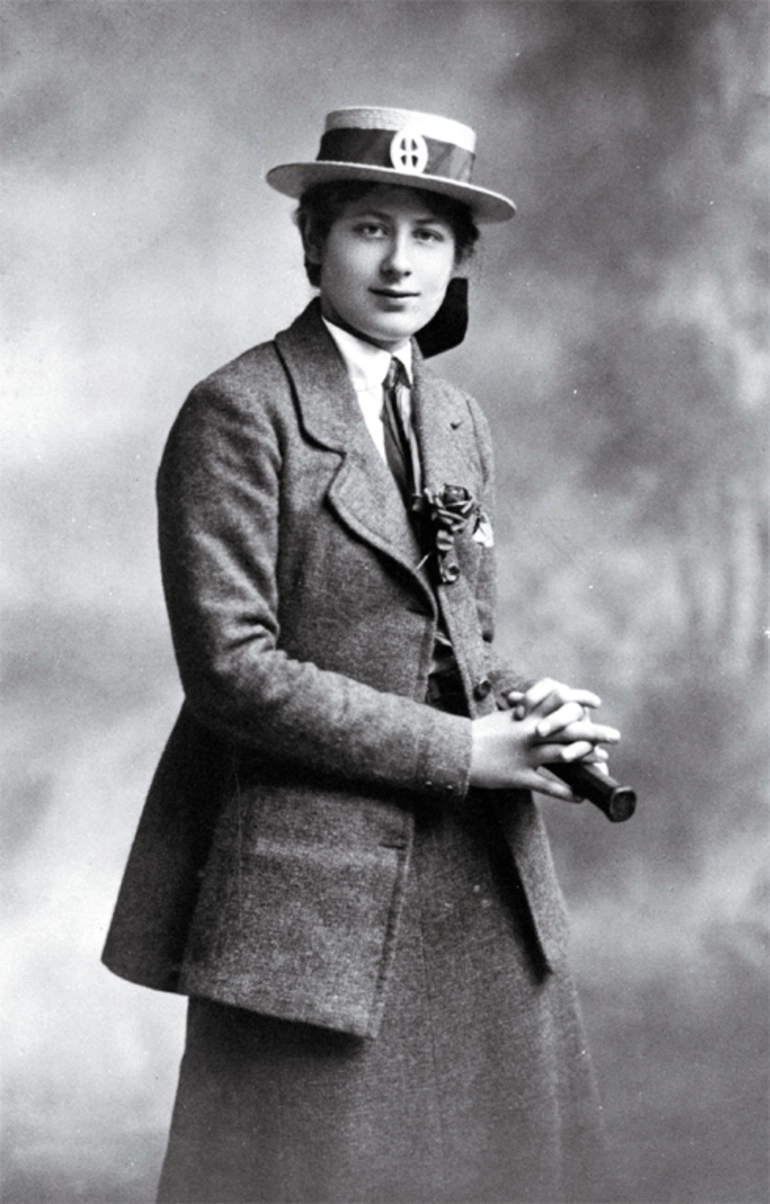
(270, 861)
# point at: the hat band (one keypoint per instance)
(406, 151)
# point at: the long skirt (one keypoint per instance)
(478, 1089)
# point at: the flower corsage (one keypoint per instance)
(446, 514)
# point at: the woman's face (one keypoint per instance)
(385, 266)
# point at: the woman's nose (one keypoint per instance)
(397, 260)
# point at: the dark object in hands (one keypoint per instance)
(617, 802)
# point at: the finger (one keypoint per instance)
(586, 698)
(553, 787)
(584, 729)
(598, 757)
(569, 713)
(538, 693)
(545, 785)
(548, 695)
(597, 733)
(514, 701)
(545, 754)
(562, 696)
(577, 751)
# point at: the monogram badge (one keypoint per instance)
(409, 152)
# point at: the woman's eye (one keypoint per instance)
(429, 235)
(370, 230)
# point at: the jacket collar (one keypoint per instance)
(366, 364)
(363, 490)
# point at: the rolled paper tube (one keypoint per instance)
(585, 781)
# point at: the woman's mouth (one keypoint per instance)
(393, 293)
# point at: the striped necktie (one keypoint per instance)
(403, 457)
(400, 450)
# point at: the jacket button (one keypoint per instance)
(482, 689)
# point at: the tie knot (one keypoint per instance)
(396, 375)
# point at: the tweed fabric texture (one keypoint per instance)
(476, 1091)
(269, 868)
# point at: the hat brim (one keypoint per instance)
(292, 179)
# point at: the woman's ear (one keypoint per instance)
(313, 251)
(312, 248)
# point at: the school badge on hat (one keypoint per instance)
(396, 146)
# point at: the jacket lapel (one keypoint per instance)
(441, 419)
(362, 492)
(444, 430)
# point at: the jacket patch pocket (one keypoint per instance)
(298, 930)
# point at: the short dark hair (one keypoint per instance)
(321, 205)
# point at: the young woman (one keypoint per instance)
(340, 860)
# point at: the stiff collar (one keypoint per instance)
(367, 365)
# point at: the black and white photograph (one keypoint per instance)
(385, 621)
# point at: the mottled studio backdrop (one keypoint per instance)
(618, 346)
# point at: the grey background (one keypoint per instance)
(618, 344)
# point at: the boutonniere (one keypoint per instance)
(446, 514)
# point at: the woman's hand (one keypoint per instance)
(549, 722)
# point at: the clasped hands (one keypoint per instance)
(547, 723)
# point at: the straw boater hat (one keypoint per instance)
(396, 146)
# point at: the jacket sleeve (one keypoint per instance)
(503, 676)
(218, 500)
